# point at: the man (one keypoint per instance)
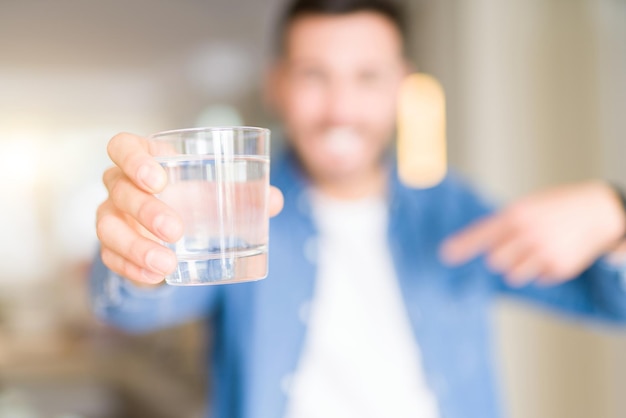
(359, 317)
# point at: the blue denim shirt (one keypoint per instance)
(259, 327)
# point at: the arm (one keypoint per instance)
(139, 309)
(127, 279)
(598, 293)
(544, 248)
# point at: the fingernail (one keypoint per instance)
(151, 177)
(160, 261)
(168, 226)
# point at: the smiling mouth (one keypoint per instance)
(342, 143)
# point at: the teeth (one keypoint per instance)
(342, 142)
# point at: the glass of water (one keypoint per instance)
(218, 182)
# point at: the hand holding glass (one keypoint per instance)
(218, 182)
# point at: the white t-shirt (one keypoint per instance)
(360, 357)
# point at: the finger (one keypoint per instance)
(547, 280)
(553, 274)
(504, 254)
(131, 153)
(117, 236)
(276, 201)
(523, 271)
(111, 175)
(149, 211)
(125, 268)
(472, 241)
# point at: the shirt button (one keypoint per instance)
(310, 250)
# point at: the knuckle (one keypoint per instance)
(110, 174)
(109, 259)
(123, 267)
(137, 250)
(533, 247)
(104, 224)
(102, 210)
(535, 241)
(133, 160)
(115, 140)
(120, 137)
(553, 268)
(116, 191)
(517, 216)
(125, 150)
(118, 264)
(126, 268)
(146, 211)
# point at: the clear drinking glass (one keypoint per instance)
(218, 182)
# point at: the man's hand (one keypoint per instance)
(131, 221)
(550, 236)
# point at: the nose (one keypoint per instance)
(342, 104)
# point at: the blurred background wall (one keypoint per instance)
(536, 91)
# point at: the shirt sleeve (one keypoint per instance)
(118, 302)
(599, 293)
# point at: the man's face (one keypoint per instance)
(336, 88)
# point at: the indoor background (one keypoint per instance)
(536, 94)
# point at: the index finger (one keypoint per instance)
(131, 154)
(472, 241)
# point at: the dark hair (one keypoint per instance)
(390, 9)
